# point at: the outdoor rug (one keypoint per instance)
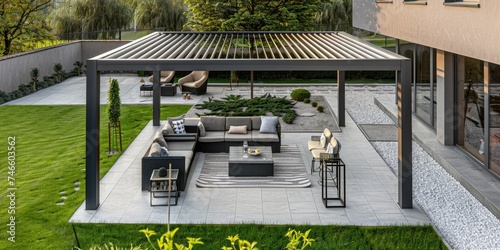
(289, 171)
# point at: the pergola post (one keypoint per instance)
(156, 98)
(397, 72)
(92, 164)
(405, 171)
(341, 97)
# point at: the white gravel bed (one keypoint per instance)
(463, 221)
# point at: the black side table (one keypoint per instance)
(332, 174)
(159, 187)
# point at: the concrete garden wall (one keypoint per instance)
(15, 69)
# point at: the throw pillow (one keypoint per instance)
(201, 129)
(167, 129)
(268, 124)
(178, 126)
(169, 120)
(322, 140)
(164, 151)
(237, 129)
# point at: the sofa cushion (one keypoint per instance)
(214, 123)
(155, 150)
(167, 130)
(264, 137)
(188, 156)
(269, 124)
(256, 121)
(201, 129)
(238, 137)
(238, 121)
(181, 146)
(160, 140)
(212, 136)
(237, 129)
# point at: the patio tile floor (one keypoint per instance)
(371, 186)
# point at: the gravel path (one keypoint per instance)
(463, 221)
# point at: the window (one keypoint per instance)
(462, 3)
(416, 2)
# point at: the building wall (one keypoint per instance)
(468, 31)
(15, 69)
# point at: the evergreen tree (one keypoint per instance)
(252, 15)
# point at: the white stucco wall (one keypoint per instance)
(468, 31)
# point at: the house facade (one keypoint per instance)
(455, 54)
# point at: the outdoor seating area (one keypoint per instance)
(167, 87)
(181, 138)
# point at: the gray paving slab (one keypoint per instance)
(370, 200)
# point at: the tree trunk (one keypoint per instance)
(7, 42)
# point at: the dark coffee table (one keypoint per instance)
(254, 165)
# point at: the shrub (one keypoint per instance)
(113, 109)
(25, 89)
(314, 104)
(16, 94)
(43, 84)
(4, 96)
(289, 116)
(300, 94)
(320, 109)
(307, 100)
(78, 67)
(1, 100)
(58, 69)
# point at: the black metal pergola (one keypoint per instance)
(249, 51)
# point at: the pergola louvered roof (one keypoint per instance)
(252, 50)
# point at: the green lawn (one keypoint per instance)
(50, 162)
(50, 182)
(267, 236)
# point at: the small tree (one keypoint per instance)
(113, 112)
(34, 77)
(58, 70)
(78, 66)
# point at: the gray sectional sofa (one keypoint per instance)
(206, 134)
(218, 138)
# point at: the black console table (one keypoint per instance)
(332, 179)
